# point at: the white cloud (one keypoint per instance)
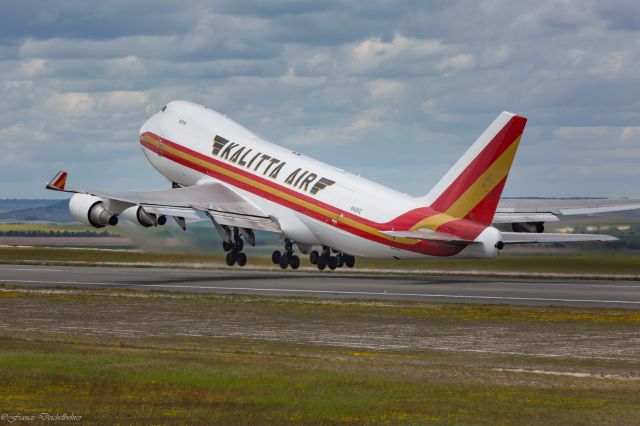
(604, 134)
(123, 101)
(318, 137)
(373, 52)
(631, 134)
(386, 89)
(365, 121)
(291, 79)
(461, 62)
(71, 104)
(495, 55)
(339, 81)
(33, 68)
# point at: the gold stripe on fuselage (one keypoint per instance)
(207, 164)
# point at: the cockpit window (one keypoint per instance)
(163, 108)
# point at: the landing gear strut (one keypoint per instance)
(234, 249)
(287, 258)
(324, 259)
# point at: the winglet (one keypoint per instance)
(58, 182)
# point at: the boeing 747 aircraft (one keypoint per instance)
(220, 170)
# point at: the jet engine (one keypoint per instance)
(139, 216)
(530, 227)
(92, 211)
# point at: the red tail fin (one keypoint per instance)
(473, 186)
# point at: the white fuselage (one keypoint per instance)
(269, 167)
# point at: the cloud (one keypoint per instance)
(375, 52)
(71, 104)
(375, 87)
(365, 121)
(386, 89)
(461, 62)
(33, 68)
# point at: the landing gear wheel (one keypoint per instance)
(284, 261)
(295, 262)
(332, 263)
(239, 245)
(340, 258)
(275, 257)
(322, 262)
(242, 259)
(349, 261)
(232, 256)
(313, 257)
(227, 246)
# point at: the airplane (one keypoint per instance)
(242, 183)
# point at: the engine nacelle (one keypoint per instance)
(530, 227)
(139, 216)
(91, 211)
(487, 245)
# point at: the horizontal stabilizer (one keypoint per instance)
(426, 234)
(532, 238)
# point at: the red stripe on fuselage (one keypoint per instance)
(403, 222)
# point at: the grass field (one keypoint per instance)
(42, 227)
(52, 227)
(584, 264)
(118, 357)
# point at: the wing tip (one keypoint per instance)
(58, 182)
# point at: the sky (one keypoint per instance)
(392, 90)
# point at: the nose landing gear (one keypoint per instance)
(288, 258)
(234, 249)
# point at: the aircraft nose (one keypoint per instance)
(148, 125)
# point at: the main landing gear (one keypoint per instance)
(327, 258)
(338, 260)
(287, 258)
(234, 250)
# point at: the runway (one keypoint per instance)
(600, 293)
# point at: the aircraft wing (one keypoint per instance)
(543, 210)
(548, 237)
(216, 200)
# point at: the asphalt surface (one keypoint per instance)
(600, 293)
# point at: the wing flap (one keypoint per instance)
(185, 213)
(249, 222)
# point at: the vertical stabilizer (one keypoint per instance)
(472, 188)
